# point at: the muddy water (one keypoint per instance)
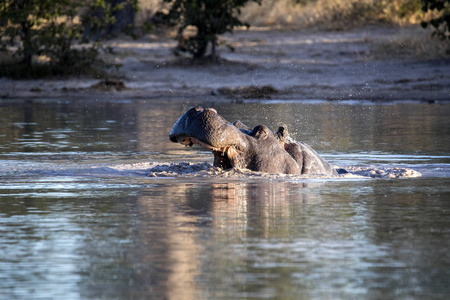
(74, 225)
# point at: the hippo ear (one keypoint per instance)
(282, 133)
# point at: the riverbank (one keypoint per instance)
(292, 65)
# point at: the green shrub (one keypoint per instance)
(207, 19)
(51, 29)
(441, 24)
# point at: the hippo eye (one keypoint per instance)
(261, 134)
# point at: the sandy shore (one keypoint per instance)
(297, 65)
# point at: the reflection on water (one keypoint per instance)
(81, 235)
(230, 240)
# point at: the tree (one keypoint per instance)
(207, 19)
(52, 28)
(440, 24)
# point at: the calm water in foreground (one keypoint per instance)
(71, 227)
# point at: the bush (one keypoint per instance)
(51, 29)
(207, 19)
(440, 24)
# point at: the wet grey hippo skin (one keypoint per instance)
(257, 149)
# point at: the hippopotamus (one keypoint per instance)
(234, 145)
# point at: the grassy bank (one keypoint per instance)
(324, 14)
(338, 15)
(333, 14)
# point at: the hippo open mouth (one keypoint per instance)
(234, 145)
(206, 128)
(224, 158)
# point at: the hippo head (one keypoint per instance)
(235, 145)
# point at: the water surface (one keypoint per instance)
(72, 226)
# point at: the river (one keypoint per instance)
(76, 225)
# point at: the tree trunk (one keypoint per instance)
(213, 49)
(202, 46)
(27, 47)
(124, 17)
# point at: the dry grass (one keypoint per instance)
(323, 14)
(332, 14)
(411, 43)
(342, 15)
(148, 8)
